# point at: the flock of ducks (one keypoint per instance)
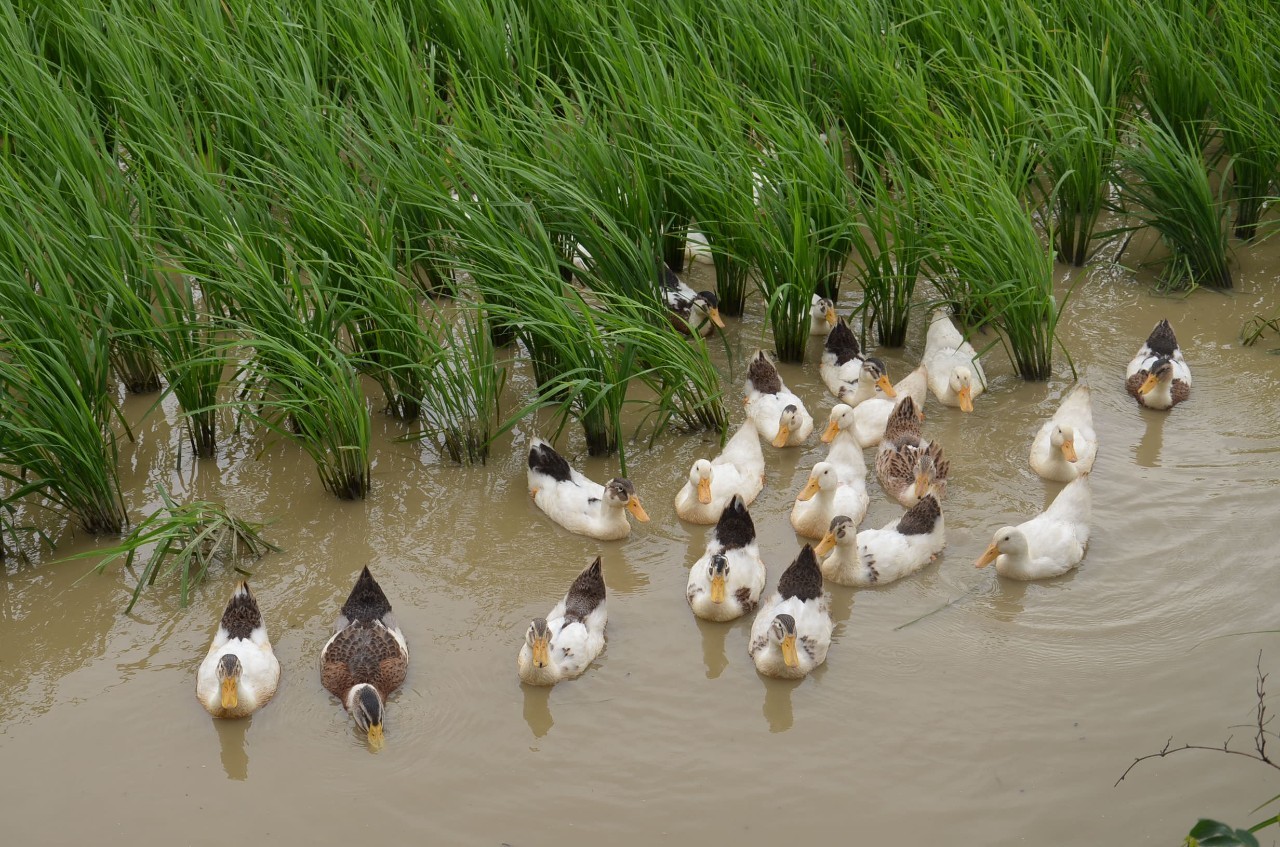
(367, 658)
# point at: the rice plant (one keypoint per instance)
(1171, 42)
(462, 399)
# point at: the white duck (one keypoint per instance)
(737, 472)
(868, 419)
(1049, 544)
(824, 497)
(847, 373)
(726, 582)
(822, 315)
(697, 248)
(240, 672)
(1066, 444)
(881, 556)
(575, 502)
(792, 631)
(1158, 377)
(844, 452)
(562, 645)
(955, 375)
(779, 414)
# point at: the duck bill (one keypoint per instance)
(634, 507)
(829, 434)
(376, 740)
(784, 432)
(883, 384)
(1069, 451)
(704, 491)
(810, 489)
(789, 655)
(989, 555)
(824, 546)
(830, 317)
(542, 652)
(717, 588)
(966, 399)
(1149, 384)
(922, 485)
(714, 314)
(230, 694)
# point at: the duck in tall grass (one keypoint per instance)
(562, 645)
(240, 673)
(849, 375)
(737, 472)
(692, 312)
(881, 556)
(367, 658)
(1048, 545)
(792, 632)
(955, 375)
(1066, 444)
(906, 465)
(867, 421)
(822, 315)
(575, 502)
(823, 497)
(697, 248)
(779, 415)
(1158, 377)
(726, 582)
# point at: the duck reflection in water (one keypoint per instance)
(1148, 453)
(232, 736)
(537, 709)
(713, 647)
(777, 703)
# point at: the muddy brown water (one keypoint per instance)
(1002, 718)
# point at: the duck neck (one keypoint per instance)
(534, 675)
(1160, 397)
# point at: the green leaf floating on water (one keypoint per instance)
(1210, 833)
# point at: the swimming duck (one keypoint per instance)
(906, 464)
(562, 645)
(779, 414)
(691, 311)
(697, 248)
(367, 658)
(868, 420)
(822, 315)
(575, 502)
(881, 556)
(955, 375)
(737, 472)
(1158, 377)
(1066, 444)
(847, 373)
(844, 453)
(825, 496)
(792, 632)
(726, 582)
(1049, 544)
(240, 673)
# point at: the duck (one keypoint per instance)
(577, 503)
(844, 452)
(1066, 445)
(848, 374)
(867, 420)
(697, 248)
(562, 645)
(881, 556)
(737, 472)
(726, 582)
(955, 375)
(1158, 377)
(779, 415)
(240, 673)
(1048, 545)
(367, 658)
(792, 631)
(907, 465)
(692, 312)
(823, 497)
(822, 315)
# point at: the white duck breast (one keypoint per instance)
(955, 375)
(844, 454)
(1049, 544)
(240, 673)
(562, 645)
(779, 415)
(1158, 377)
(823, 498)
(881, 556)
(872, 416)
(791, 633)
(1065, 446)
(725, 583)
(737, 471)
(575, 502)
